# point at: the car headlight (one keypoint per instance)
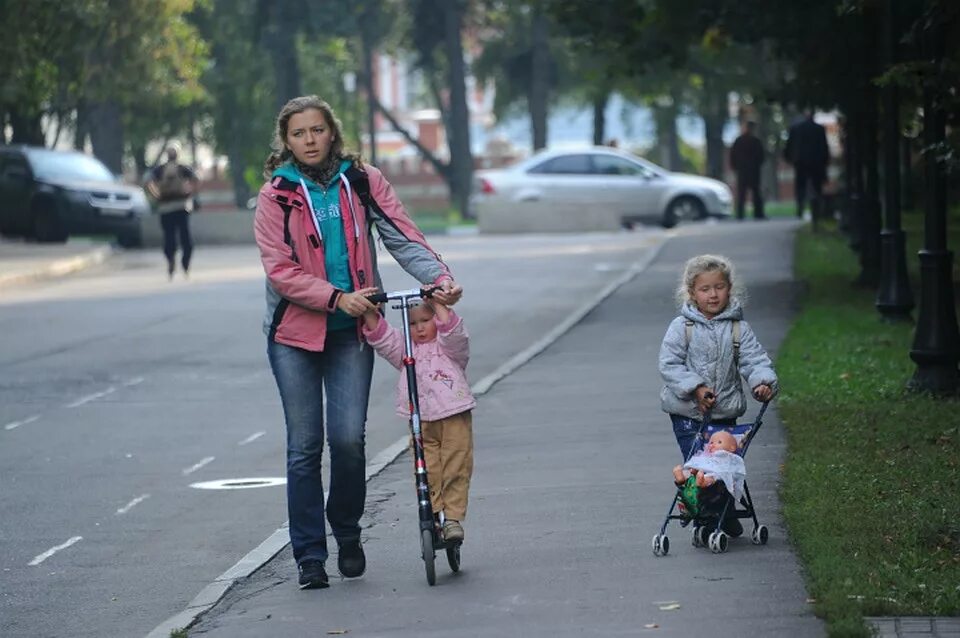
(724, 195)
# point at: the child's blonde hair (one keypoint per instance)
(700, 264)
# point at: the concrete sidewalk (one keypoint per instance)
(572, 480)
(22, 262)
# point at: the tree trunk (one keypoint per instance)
(26, 128)
(106, 134)
(82, 128)
(668, 142)
(368, 83)
(714, 115)
(599, 117)
(461, 159)
(539, 78)
(281, 44)
(139, 153)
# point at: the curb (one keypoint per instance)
(60, 267)
(210, 595)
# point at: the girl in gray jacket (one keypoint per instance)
(707, 349)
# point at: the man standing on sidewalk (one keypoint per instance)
(807, 150)
(746, 158)
(174, 186)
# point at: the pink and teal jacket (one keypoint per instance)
(299, 297)
(441, 381)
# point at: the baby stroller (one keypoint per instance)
(708, 522)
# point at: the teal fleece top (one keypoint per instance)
(326, 214)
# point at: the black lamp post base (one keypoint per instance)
(894, 299)
(936, 342)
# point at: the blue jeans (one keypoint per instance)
(341, 374)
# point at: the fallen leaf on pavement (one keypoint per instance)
(652, 625)
(670, 607)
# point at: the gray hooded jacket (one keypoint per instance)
(708, 360)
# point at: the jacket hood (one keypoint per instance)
(733, 312)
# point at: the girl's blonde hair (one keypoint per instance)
(279, 151)
(700, 264)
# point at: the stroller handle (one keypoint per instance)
(401, 295)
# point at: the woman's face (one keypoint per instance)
(309, 137)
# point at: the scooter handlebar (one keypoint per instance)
(413, 293)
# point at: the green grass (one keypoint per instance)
(872, 476)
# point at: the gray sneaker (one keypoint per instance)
(452, 530)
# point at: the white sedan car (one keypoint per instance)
(597, 188)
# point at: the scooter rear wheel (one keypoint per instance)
(426, 550)
(453, 557)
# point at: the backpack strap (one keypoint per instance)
(360, 183)
(736, 344)
(688, 330)
(283, 184)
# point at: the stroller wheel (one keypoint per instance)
(699, 536)
(760, 535)
(661, 545)
(718, 542)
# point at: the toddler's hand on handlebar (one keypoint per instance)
(356, 303)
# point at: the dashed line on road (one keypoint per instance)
(91, 397)
(129, 506)
(15, 424)
(53, 550)
(194, 468)
(251, 438)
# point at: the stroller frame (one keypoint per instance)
(431, 536)
(717, 540)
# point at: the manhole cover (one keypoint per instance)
(239, 483)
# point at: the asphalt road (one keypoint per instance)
(119, 390)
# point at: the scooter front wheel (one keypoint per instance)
(426, 550)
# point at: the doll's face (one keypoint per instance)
(722, 441)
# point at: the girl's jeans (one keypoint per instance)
(341, 374)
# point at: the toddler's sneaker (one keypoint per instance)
(452, 530)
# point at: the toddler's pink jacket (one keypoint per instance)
(441, 381)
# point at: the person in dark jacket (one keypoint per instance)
(809, 154)
(746, 158)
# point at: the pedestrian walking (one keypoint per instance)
(441, 348)
(707, 349)
(174, 186)
(808, 152)
(746, 158)
(313, 225)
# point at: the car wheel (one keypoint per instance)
(46, 226)
(130, 239)
(685, 207)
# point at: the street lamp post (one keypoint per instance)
(936, 343)
(894, 298)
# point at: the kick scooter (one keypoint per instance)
(431, 536)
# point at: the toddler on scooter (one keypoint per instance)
(441, 349)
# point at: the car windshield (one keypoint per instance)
(57, 165)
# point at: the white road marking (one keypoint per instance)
(251, 438)
(53, 550)
(91, 397)
(134, 381)
(129, 506)
(194, 468)
(16, 424)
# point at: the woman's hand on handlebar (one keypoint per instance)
(448, 293)
(356, 303)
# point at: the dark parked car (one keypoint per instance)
(49, 195)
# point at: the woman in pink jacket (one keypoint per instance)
(441, 349)
(314, 227)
